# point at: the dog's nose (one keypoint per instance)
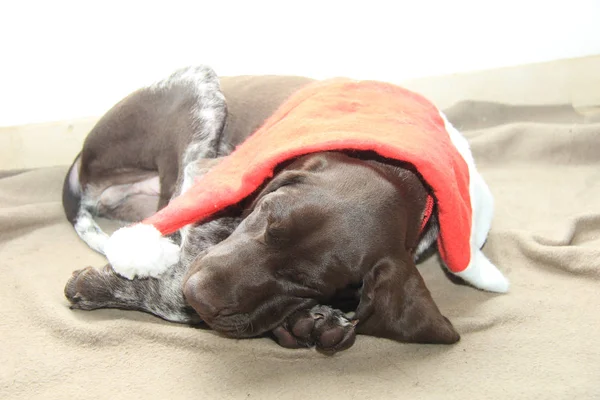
(198, 293)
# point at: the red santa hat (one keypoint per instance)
(331, 115)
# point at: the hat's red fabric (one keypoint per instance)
(342, 114)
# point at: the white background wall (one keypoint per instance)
(67, 59)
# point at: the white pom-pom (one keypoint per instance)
(140, 250)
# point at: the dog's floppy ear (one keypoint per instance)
(396, 304)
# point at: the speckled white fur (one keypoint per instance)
(89, 231)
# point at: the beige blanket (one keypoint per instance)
(542, 340)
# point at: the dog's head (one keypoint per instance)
(324, 222)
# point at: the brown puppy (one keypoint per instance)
(325, 224)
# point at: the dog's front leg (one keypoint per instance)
(93, 288)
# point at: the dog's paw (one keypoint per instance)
(325, 328)
(86, 289)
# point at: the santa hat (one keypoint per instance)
(332, 115)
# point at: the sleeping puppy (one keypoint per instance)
(327, 224)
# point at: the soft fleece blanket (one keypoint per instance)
(538, 341)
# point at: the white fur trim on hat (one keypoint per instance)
(140, 250)
(484, 275)
(480, 272)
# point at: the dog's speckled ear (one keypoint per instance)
(396, 304)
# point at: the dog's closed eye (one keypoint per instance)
(286, 178)
(277, 232)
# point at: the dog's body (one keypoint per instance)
(135, 157)
(152, 145)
